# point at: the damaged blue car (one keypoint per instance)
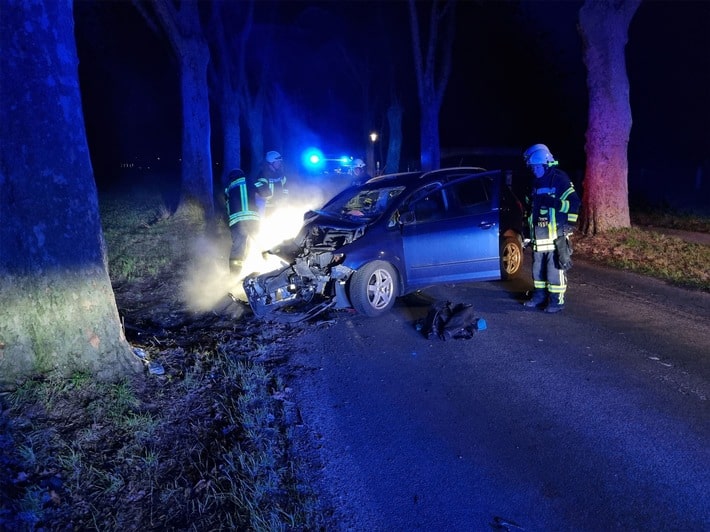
(392, 236)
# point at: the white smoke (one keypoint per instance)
(208, 282)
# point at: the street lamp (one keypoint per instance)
(371, 154)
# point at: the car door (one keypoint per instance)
(454, 234)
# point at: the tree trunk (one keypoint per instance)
(394, 148)
(197, 186)
(603, 26)
(225, 66)
(429, 141)
(232, 134)
(432, 78)
(57, 312)
(181, 23)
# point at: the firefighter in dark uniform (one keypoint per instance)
(360, 174)
(240, 196)
(271, 184)
(553, 206)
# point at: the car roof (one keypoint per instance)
(420, 177)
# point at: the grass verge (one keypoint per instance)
(205, 446)
(644, 248)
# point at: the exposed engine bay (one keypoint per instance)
(311, 280)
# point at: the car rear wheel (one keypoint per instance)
(373, 288)
(511, 257)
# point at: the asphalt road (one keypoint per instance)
(597, 418)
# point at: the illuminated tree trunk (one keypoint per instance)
(57, 309)
(603, 26)
(432, 77)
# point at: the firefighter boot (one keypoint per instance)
(557, 304)
(235, 266)
(537, 300)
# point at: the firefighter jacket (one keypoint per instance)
(240, 197)
(271, 186)
(553, 206)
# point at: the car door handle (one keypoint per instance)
(486, 225)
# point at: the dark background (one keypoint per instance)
(518, 79)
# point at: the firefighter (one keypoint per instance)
(552, 207)
(271, 183)
(360, 174)
(240, 196)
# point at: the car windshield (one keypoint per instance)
(363, 201)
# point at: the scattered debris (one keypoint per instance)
(154, 368)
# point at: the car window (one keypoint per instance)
(473, 195)
(364, 201)
(430, 207)
(424, 206)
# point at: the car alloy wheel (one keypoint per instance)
(511, 257)
(373, 288)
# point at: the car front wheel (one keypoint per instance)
(511, 257)
(373, 288)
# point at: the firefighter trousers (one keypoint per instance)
(548, 279)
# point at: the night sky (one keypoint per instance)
(518, 78)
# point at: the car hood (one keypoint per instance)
(324, 231)
(321, 232)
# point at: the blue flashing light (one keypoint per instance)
(313, 159)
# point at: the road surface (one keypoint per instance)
(597, 418)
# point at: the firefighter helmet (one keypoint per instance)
(272, 156)
(358, 163)
(539, 154)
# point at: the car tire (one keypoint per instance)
(373, 288)
(511, 257)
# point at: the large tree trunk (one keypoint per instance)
(394, 148)
(226, 67)
(603, 26)
(197, 188)
(232, 134)
(57, 309)
(432, 78)
(184, 31)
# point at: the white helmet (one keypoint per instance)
(358, 163)
(272, 156)
(539, 154)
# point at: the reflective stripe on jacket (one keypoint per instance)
(547, 223)
(239, 201)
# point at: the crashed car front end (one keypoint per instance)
(313, 278)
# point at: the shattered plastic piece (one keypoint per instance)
(481, 324)
(140, 353)
(155, 368)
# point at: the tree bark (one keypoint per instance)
(184, 32)
(57, 312)
(227, 56)
(603, 27)
(394, 148)
(432, 77)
